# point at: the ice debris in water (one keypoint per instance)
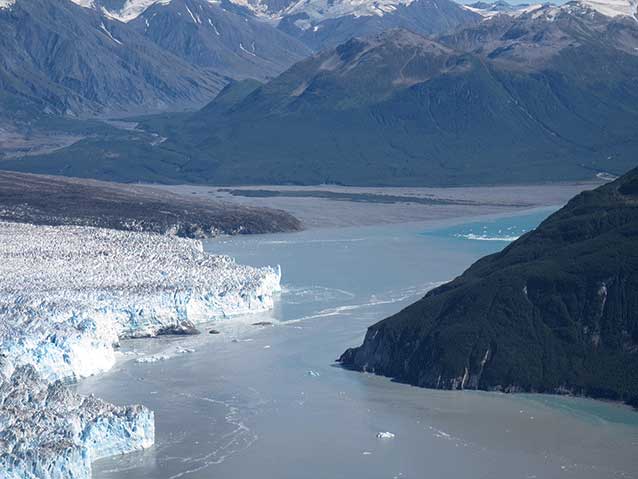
(313, 374)
(67, 296)
(164, 356)
(385, 435)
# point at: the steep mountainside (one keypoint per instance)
(59, 58)
(402, 109)
(555, 311)
(220, 37)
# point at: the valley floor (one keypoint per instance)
(328, 206)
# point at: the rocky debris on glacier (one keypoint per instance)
(49, 432)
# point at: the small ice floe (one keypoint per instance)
(313, 374)
(163, 357)
(440, 434)
(366, 453)
(385, 435)
(267, 346)
(152, 359)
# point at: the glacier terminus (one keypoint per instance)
(68, 296)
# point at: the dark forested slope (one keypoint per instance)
(557, 310)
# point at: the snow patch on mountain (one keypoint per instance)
(609, 8)
(327, 9)
(315, 10)
(6, 3)
(133, 9)
(109, 34)
(613, 8)
(490, 10)
(85, 3)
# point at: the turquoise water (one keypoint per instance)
(589, 410)
(500, 229)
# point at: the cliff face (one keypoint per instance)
(555, 311)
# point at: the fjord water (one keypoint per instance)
(268, 401)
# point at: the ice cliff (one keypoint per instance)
(48, 432)
(67, 296)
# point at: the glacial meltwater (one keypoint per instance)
(267, 400)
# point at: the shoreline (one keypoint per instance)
(363, 206)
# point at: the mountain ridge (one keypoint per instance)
(59, 58)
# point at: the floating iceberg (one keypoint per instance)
(67, 296)
(385, 435)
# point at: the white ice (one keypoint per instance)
(67, 296)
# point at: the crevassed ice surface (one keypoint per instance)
(49, 432)
(67, 295)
